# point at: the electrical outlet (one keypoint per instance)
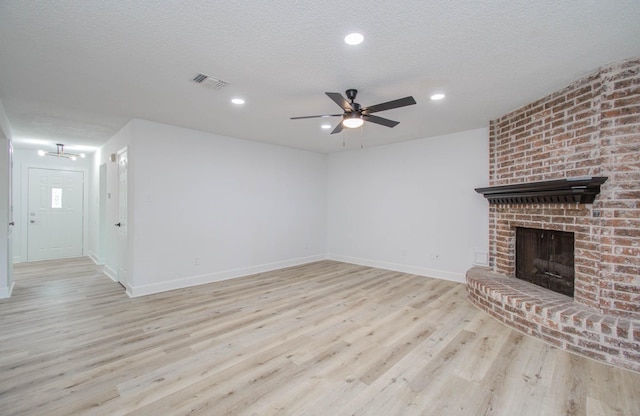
(196, 261)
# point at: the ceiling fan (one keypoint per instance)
(354, 114)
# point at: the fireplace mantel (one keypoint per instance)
(581, 190)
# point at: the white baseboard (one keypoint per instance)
(189, 281)
(110, 273)
(17, 259)
(128, 289)
(142, 290)
(420, 271)
(97, 260)
(5, 292)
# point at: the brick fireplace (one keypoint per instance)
(590, 128)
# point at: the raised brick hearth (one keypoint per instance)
(556, 318)
(590, 128)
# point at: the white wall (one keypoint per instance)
(23, 159)
(232, 206)
(411, 206)
(204, 207)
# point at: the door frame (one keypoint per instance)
(122, 253)
(100, 255)
(22, 227)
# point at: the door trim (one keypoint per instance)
(23, 216)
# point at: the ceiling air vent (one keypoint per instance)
(207, 81)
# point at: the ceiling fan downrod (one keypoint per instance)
(351, 94)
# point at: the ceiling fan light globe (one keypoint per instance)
(352, 122)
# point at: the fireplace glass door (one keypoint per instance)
(545, 258)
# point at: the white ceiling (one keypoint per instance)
(76, 72)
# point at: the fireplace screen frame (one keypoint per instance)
(546, 258)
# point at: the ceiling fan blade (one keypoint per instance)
(380, 120)
(338, 128)
(401, 102)
(340, 100)
(324, 115)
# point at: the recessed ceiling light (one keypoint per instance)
(326, 126)
(238, 101)
(436, 97)
(354, 39)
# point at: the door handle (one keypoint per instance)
(12, 223)
(32, 221)
(118, 224)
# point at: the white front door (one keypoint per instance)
(55, 215)
(123, 245)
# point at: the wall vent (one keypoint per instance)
(210, 82)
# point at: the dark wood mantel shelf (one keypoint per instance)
(581, 190)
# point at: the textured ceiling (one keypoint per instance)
(76, 72)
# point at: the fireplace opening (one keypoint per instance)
(545, 258)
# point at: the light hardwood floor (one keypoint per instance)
(326, 339)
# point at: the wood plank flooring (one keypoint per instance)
(326, 338)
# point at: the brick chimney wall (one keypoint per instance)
(590, 128)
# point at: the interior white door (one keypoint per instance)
(55, 214)
(123, 244)
(11, 220)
